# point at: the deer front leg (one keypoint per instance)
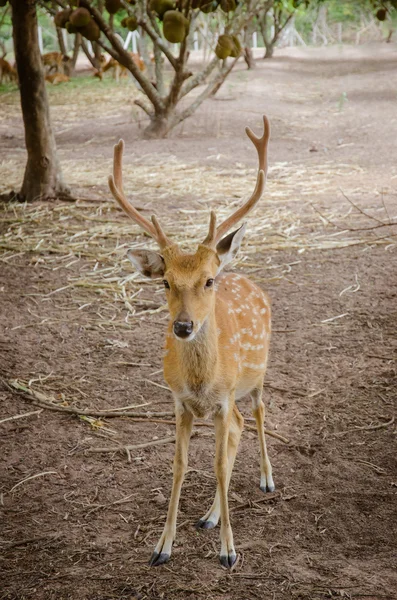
(222, 425)
(184, 422)
(211, 517)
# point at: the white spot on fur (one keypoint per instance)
(246, 331)
(235, 338)
(252, 346)
(254, 366)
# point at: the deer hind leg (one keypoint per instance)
(258, 408)
(184, 422)
(211, 517)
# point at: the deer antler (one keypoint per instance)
(116, 187)
(260, 144)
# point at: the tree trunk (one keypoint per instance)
(76, 49)
(61, 41)
(97, 54)
(43, 178)
(269, 50)
(248, 55)
(158, 127)
(249, 58)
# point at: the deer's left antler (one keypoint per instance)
(216, 233)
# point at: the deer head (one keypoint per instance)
(189, 278)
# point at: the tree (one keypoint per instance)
(165, 22)
(273, 19)
(43, 177)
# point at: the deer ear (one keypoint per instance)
(228, 247)
(147, 262)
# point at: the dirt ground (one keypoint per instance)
(84, 528)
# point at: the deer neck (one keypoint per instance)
(199, 357)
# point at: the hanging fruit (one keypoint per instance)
(112, 6)
(80, 17)
(132, 23)
(62, 17)
(91, 31)
(207, 6)
(70, 28)
(161, 7)
(236, 47)
(224, 47)
(175, 26)
(381, 14)
(228, 5)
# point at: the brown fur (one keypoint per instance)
(119, 70)
(56, 62)
(57, 78)
(7, 72)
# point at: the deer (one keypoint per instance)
(56, 62)
(57, 78)
(7, 72)
(216, 347)
(118, 69)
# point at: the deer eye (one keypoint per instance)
(166, 284)
(209, 283)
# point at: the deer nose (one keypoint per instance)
(183, 329)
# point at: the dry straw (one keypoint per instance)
(89, 237)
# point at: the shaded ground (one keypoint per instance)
(86, 528)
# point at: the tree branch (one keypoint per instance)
(206, 93)
(143, 106)
(199, 78)
(157, 39)
(87, 53)
(124, 57)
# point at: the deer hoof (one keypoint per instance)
(267, 485)
(228, 561)
(158, 559)
(202, 524)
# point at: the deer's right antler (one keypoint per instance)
(216, 233)
(116, 187)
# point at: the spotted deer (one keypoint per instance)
(216, 346)
(7, 72)
(56, 62)
(119, 70)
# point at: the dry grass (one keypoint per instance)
(90, 237)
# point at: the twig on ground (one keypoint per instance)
(9, 545)
(367, 427)
(45, 402)
(137, 417)
(379, 470)
(365, 214)
(378, 222)
(168, 440)
(164, 387)
(382, 357)
(279, 389)
(32, 477)
(21, 416)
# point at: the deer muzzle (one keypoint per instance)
(183, 329)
